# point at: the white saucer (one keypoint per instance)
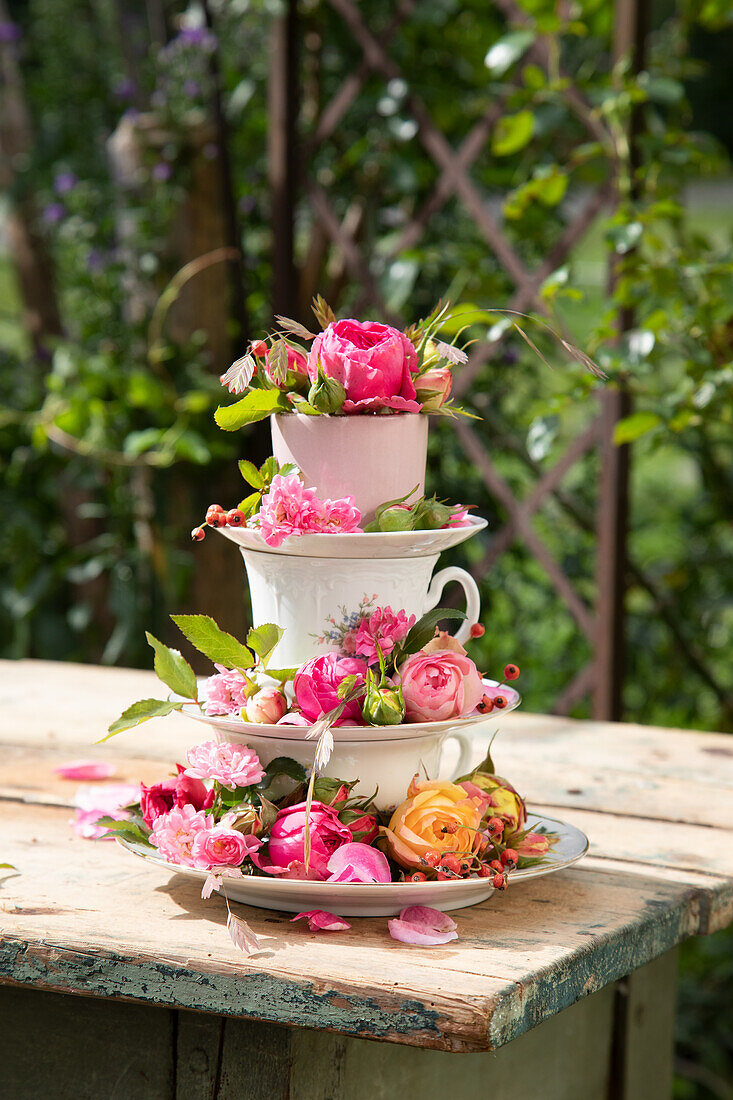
(377, 544)
(378, 900)
(404, 731)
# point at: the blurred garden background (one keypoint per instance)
(172, 175)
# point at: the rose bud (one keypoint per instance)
(397, 518)
(433, 388)
(532, 845)
(327, 395)
(383, 705)
(266, 707)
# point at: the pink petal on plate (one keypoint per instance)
(321, 921)
(86, 769)
(356, 862)
(422, 926)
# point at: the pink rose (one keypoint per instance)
(297, 365)
(287, 837)
(532, 845)
(225, 693)
(267, 707)
(373, 362)
(180, 790)
(440, 685)
(384, 626)
(222, 846)
(433, 388)
(174, 833)
(316, 683)
(231, 765)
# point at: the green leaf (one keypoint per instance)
(250, 504)
(282, 765)
(634, 426)
(512, 132)
(424, 629)
(255, 405)
(263, 639)
(220, 647)
(125, 828)
(508, 49)
(140, 712)
(283, 674)
(268, 469)
(250, 473)
(173, 669)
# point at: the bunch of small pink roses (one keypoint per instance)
(220, 814)
(281, 507)
(391, 669)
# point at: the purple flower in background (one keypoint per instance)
(124, 89)
(64, 182)
(197, 36)
(95, 261)
(162, 171)
(191, 88)
(10, 32)
(53, 213)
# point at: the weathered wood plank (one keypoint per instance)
(89, 918)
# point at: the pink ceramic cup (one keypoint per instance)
(372, 458)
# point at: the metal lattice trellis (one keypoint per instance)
(603, 623)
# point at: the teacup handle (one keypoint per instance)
(473, 600)
(465, 756)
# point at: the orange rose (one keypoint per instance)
(436, 817)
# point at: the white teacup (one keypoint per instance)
(380, 761)
(316, 600)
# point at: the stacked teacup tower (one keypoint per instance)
(317, 586)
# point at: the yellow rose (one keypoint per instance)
(436, 817)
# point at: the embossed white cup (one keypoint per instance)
(316, 600)
(378, 759)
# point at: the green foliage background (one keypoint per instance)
(109, 455)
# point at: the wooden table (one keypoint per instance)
(569, 979)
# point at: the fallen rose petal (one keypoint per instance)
(321, 921)
(422, 926)
(95, 802)
(356, 862)
(86, 769)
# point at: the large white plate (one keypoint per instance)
(377, 544)
(383, 900)
(405, 731)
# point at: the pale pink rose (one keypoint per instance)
(175, 833)
(316, 684)
(267, 707)
(222, 846)
(384, 626)
(433, 388)
(231, 765)
(297, 364)
(95, 802)
(226, 692)
(339, 517)
(286, 845)
(422, 926)
(373, 362)
(440, 685)
(287, 509)
(321, 921)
